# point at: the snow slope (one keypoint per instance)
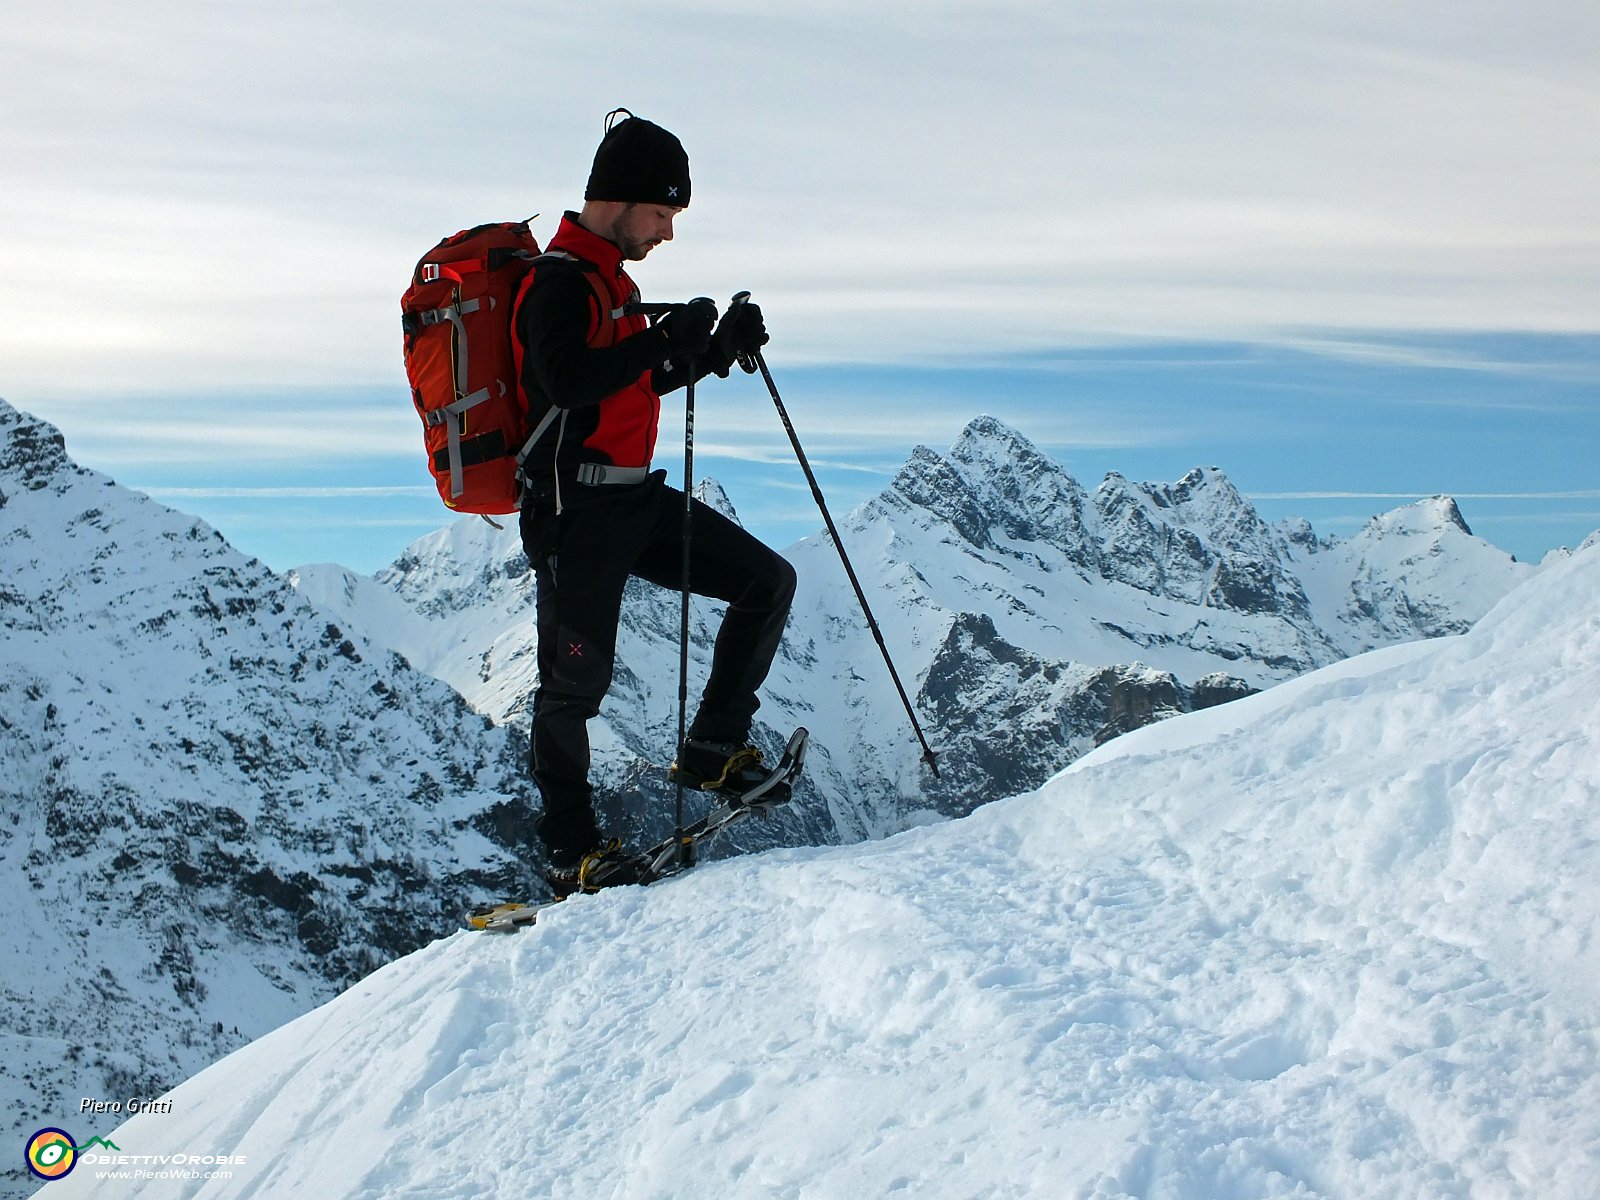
(1334, 940)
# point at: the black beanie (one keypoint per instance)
(639, 162)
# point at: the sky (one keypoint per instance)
(1348, 252)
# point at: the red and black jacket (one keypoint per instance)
(603, 368)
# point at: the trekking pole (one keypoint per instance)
(755, 361)
(685, 853)
(685, 849)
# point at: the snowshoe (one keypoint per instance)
(504, 918)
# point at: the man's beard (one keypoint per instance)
(634, 251)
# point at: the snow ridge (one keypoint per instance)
(1338, 939)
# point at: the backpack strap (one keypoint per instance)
(465, 400)
(415, 323)
(609, 316)
(592, 274)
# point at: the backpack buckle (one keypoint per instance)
(429, 273)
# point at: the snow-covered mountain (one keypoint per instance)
(217, 807)
(220, 802)
(1340, 939)
(1032, 618)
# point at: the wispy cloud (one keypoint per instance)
(281, 493)
(1590, 516)
(1581, 494)
(249, 432)
(909, 181)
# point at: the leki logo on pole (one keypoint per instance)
(52, 1155)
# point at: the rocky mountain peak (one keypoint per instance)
(1297, 531)
(1197, 540)
(990, 439)
(1204, 500)
(1434, 515)
(998, 492)
(1416, 571)
(1207, 486)
(712, 493)
(32, 452)
(930, 483)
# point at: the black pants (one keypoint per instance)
(582, 558)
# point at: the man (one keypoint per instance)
(594, 513)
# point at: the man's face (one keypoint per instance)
(640, 228)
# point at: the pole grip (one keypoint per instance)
(746, 362)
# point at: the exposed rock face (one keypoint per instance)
(1013, 718)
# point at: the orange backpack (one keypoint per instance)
(457, 316)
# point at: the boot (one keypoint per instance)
(728, 768)
(606, 865)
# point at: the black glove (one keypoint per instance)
(748, 329)
(688, 328)
(741, 332)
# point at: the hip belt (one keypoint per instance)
(598, 474)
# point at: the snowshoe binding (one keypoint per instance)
(737, 773)
(608, 865)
